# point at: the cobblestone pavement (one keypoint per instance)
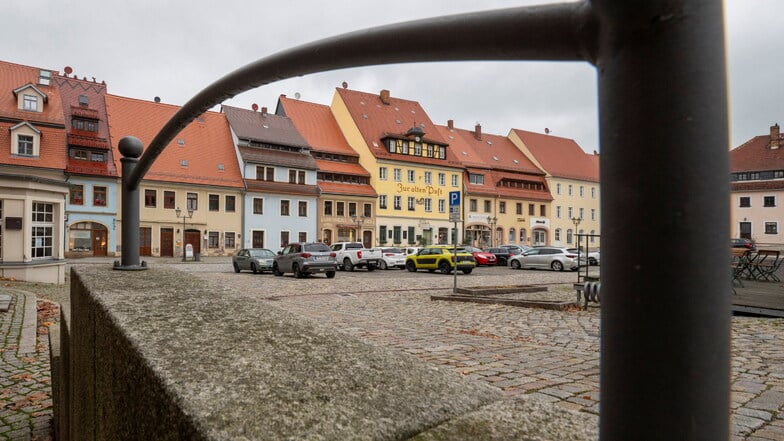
(545, 354)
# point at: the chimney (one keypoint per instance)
(775, 139)
(450, 124)
(478, 131)
(384, 95)
(263, 111)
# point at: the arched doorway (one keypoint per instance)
(87, 239)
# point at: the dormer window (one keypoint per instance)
(44, 77)
(26, 140)
(30, 102)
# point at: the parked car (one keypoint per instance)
(392, 258)
(304, 259)
(441, 258)
(594, 257)
(350, 255)
(743, 243)
(554, 258)
(482, 257)
(253, 259)
(519, 248)
(502, 255)
(411, 250)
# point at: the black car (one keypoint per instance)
(502, 255)
(743, 243)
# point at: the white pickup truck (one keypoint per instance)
(350, 255)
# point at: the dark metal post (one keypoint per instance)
(665, 220)
(131, 148)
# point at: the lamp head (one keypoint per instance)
(177, 212)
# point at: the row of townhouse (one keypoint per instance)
(367, 167)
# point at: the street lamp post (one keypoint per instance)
(576, 221)
(359, 220)
(178, 212)
(492, 221)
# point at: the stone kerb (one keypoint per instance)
(159, 355)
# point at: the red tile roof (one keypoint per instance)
(207, 143)
(50, 121)
(754, 155)
(560, 157)
(347, 189)
(376, 121)
(317, 125)
(346, 168)
(70, 91)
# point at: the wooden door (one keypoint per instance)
(145, 241)
(745, 230)
(167, 242)
(99, 240)
(258, 239)
(193, 237)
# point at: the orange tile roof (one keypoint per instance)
(207, 143)
(754, 155)
(494, 151)
(346, 168)
(50, 121)
(560, 157)
(377, 121)
(317, 125)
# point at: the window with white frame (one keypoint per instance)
(258, 205)
(570, 212)
(397, 203)
(442, 179)
(25, 145)
(558, 211)
(454, 180)
(411, 174)
(593, 214)
(769, 201)
(593, 193)
(30, 103)
(557, 234)
(285, 207)
(382, 201)
(558, 188)
(582, 212)
(771, 228)
(582, 191)
(302, 236)
(569, 191)
(302, 208)
(477, 179)
(411, 203)
(744, 201)
(569, 235)
(382, 173)
(428, 177)
(442, 205)
(397, 174)
(428, 205)
(42, 230)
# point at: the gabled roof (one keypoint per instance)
(35, 89)
(281, 158)
(206, 143)
(560, 157)
(24, 124)
(70, 91)
(317, 125)
(379, 119)
(263, 127)
(48, 123)
(15, 77)
(756, 155)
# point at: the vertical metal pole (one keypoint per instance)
(665, 315)
(131, 148)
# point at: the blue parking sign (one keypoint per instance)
(454, 198)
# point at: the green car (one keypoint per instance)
(441, 258)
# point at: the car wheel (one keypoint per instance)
(516, 264)
(253, 268)
(236, 267)
(467, 270)
(347, 265)
(444, 267)
(297, 273)
(330, 274)
(410, 266)
(276, 270)
(371, 267)
(383, 265)
(557, 266)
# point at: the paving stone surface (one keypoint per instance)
(552, 356)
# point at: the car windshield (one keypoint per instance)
(472, 249)
(261, 253)
(316, 248)
(392, 250)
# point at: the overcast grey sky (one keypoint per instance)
(173, 49)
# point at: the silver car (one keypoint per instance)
(392, 258)
(304, 259)
(554, 258)
(257, 260)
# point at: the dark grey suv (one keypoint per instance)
(304, 259)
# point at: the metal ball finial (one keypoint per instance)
(131, 147)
